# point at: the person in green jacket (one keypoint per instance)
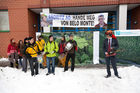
(51, 47)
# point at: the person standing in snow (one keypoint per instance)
(33, 50)
(25, 55)
(62, 45)
(21, 48)
(12, 52)
(71, 47)
(51, 47)
(41, 44)
(110, 45)
(62, 55)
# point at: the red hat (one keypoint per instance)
(109, 32)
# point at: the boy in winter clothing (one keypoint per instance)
(71, 47)
(12, 52)
(32, 50)
(50, 49)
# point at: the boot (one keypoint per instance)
(17, 64)
(11, 64)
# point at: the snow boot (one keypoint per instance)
(107, 76)
(11, 64)
(17, 64)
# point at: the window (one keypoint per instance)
(4, 21)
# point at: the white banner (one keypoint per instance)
(127, 33)
(85, 20)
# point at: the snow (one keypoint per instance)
(90, 80)
(3, 59)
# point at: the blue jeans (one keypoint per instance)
(53, 64)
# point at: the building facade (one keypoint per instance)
(21, 18)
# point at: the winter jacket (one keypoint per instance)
(62, 45)
(51, 48)
(114, 44)
(74, 43)
(32, 50)
(41, 44)
(21, 48)
(12, 49)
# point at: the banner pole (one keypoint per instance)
(96, 47)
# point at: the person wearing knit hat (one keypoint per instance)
(51, 48)
(110, 45)
(109, 32)
(33, 52)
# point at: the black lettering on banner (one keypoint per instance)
(74, 23)
(90, 17)
(86, 23)
(79, 17)
(64, 23)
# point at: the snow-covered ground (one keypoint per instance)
(80, 81)
(3, 59)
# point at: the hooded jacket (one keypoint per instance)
(51, 48)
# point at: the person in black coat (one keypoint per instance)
(70, 48)
(110, 45)
(26, 56)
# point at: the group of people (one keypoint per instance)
(30, 50)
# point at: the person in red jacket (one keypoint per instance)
(62, 45)
(13, 52)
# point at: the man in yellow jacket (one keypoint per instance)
(41, 44)
(50, 49)
(33, 51)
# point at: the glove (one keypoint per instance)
(8, 54)
(18, 53)
(43, 53)
(38, 53)
(52, 52)
(47, 53)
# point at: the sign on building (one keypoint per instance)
(85, 20)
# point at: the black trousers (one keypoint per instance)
(33, 65)
(111, 60)
(72, 56)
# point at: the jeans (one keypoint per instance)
(33, 66)
(53, 64)
(20, 60)
(24, 64)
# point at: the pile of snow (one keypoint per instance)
(4, 59)
(79, 81)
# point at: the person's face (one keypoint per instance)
(101, 19)
(108, 36)
(44, 18)
(71, 37)
(39, 39)
(62, 38)
(51, 38)
(21, 42)
(27, 41)
(13, 41)
(32, 41)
